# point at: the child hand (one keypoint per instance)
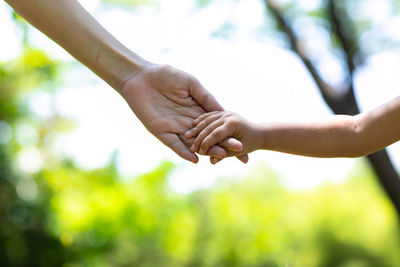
(212, 128)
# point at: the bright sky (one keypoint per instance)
(248, 73)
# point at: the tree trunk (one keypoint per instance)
(345, 102)
(387, 176)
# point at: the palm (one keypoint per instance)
(163, 98)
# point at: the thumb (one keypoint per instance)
(206, 100)
(231, 144)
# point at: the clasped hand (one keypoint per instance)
(167, 101)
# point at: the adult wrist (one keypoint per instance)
(128, 68)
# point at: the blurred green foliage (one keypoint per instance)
(60, 215)
(247, 221)
(23, 197)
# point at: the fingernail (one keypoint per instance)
(201, 151)
(188, 133)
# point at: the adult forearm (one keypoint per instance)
(337, 137)
(68, 24)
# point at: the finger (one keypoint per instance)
(203, 134)
(176, 144)
(203, 124)
(202, 96)
(217, 152)
(203, 116)
(214, 160)
(231, 144)
(213, 138)
(187, 141)
(243, 158)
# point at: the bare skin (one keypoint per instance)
(339, 136)
(165, 99)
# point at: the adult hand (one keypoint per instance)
(167, 100)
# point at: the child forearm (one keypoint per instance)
(381, 126)
(341, 136)
(336, 137)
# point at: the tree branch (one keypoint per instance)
(329, 94)
(338, 101)
(348, 44)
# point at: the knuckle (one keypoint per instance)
(208, 120)
(195, 129)
(229, 123)
(215, 134)
(233, 121)
(208, 129)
